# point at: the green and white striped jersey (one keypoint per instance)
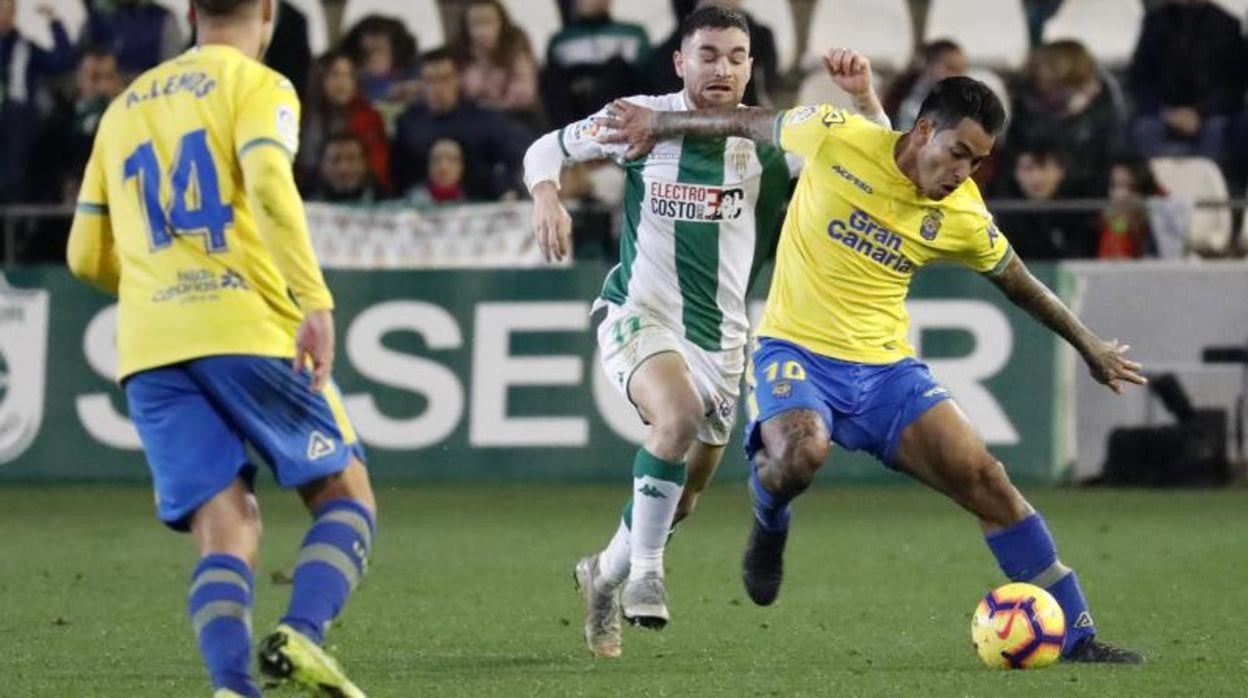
(700, 216)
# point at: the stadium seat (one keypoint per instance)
(777, 15)
(539, 19)
(994, 83)
(33, 26)
(421, 17)
(882, 30)
(993, 33)
(818, 88)
(1198, 179)
(655, 15)
(318, 29)
(1109, 28)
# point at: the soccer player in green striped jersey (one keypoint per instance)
(700, 215)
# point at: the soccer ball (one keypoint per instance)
(1018, 626)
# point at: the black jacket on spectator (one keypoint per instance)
(493, 143)
(1190, 56)
(289, 52)
(766, 75)
(1088, 140)
(577, 83)
(1046, 235)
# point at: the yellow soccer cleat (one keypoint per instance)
(288, 655)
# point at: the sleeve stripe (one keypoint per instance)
(779, 123)
(262, 141)
(87, 207)
(563, 147)
(1001, 265)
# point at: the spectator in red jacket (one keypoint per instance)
(335, 104)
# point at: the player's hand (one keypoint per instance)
(314, 343)
(629, 124)
(551, 223)
(1109, 365)
(850, 70)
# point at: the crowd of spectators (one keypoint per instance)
(387, 120)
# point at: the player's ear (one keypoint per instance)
(678, 60)
(922, 132)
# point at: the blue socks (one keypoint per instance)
(330, 564)
(771, 510)
(219, 605)
(1027, 553)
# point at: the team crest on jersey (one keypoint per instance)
(739, 155)
(799, 115)
(23, 358)
(930, 227)
(695, 202)
(781, 389)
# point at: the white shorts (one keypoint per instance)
(629, 336)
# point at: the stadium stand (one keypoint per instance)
(992, 32)
(883, 31)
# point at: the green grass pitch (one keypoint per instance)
(469, 594)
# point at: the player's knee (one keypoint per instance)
(798, 461)
(986, 486)
(676, 428)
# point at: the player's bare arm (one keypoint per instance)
(551, 222)
(1107, 361)
(640, 128)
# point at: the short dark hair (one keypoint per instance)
(1042, 150)
(933, 51)
(713, 17)
(438, 55)
(98, 51)
(338, 137)
(954, 99)
(221, 8)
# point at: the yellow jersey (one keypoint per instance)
(166, 210)
(856, 232)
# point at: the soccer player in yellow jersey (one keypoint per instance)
(832, 363)
(188, 213)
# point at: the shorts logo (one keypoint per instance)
(694, 202)
(725, 408)
(781, 389)
(799, 115)
(319, 446)
(930, 226)
(938, 390)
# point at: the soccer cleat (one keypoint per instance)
(1093, 651)
(287, 655)
(644, 601)
(762, 567)
(602, 611)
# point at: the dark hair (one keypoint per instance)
(512, 41)
(344, 137)
(1042, 150)
(1141, 174)
(438, 55)
(316, 101)
(713, 17)
(402, 42)
(98, 51)
(954, 99)
(221, 8)
(934, 50)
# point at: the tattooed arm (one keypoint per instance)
(1106, 360)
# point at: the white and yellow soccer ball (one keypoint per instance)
(1018, 626)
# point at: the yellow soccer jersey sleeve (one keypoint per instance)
(856, 232)
(167, 200)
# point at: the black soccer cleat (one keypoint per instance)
(762, 568)
(1093, 651)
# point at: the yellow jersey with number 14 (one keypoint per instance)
(196, 277)
(855, 234)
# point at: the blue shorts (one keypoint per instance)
(195, 417)
(864, 406)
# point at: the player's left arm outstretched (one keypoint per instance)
(640, 128)
(1107, 360)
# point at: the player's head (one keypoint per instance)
(344, 163)
(246, 24)
(957, 126)
(446, 163)
(714, 57)
(942, 59)
(97, 76)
